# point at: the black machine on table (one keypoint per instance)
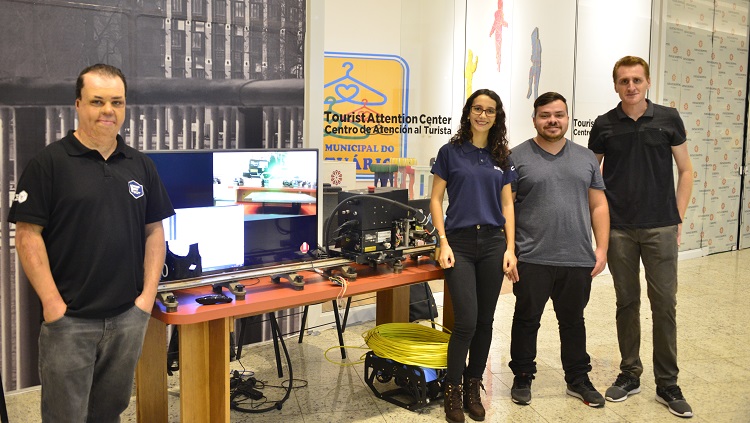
(378, 226)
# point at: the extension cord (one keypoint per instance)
(249, 392)
(253, 393)
(244, 385)
(247, 387)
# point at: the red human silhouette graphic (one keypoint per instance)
(497, 30)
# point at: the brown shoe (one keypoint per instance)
(472, 400)
(454, 413)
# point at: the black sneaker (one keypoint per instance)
(585, 391)
(671, 396)
(520, 393)
(624, 385)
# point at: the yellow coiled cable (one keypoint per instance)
(409, 343)
(406, 343)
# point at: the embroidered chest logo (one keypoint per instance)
(498, 168)
(21, 197)
(136, 189)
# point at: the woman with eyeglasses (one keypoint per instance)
(477, 242)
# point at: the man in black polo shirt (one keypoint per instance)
(638, 140)
(88, 212)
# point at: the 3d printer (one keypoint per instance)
(378, 226)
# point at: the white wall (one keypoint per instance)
(607, 30)
(556, 29)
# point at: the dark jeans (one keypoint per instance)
(87, 366)
(569, 288)
(657, 248)
(474, 284)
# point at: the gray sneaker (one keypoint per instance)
(671, 396)
(624, 385)
(585, 391)
(520, 393)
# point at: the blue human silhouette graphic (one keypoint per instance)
(536, 64)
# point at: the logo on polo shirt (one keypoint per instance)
(136, 189)
(498, 168)
(21, 197)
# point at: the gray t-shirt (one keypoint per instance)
(553, 220)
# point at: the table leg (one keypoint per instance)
(151, 376)
(392, 306)
(275, 335)
(204, 371)
(448, 316)
(339, 330)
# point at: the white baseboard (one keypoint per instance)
(690, 254)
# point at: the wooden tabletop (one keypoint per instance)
(265, 296)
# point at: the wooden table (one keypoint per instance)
(204, 334)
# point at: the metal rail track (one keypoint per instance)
(231, 280)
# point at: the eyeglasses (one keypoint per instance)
(477, 110)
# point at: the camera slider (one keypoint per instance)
(168, 299)
(415, 386)
(346, 271)
(236, 288)
(165, 291)
(297, 280)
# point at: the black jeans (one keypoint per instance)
(569, 288)
(474, 284)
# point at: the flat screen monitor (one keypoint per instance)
(243, 208)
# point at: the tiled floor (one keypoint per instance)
(714, 357)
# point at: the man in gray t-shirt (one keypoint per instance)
(559, 200)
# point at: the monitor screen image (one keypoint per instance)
(243, 208)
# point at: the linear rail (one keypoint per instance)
(252, 273)
(271, 270)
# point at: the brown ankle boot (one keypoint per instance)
(454, 413)
(472, 400)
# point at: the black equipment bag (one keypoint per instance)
(421, 302)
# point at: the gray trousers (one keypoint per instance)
(87, 366)
(657, 248)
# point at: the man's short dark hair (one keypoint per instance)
(101, 69)
(548, 98)
(628, 61)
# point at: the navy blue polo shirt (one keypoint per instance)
(94, 213)
(638, 165)
(474, 183)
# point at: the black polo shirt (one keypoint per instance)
(638, 165)
(94, 213)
